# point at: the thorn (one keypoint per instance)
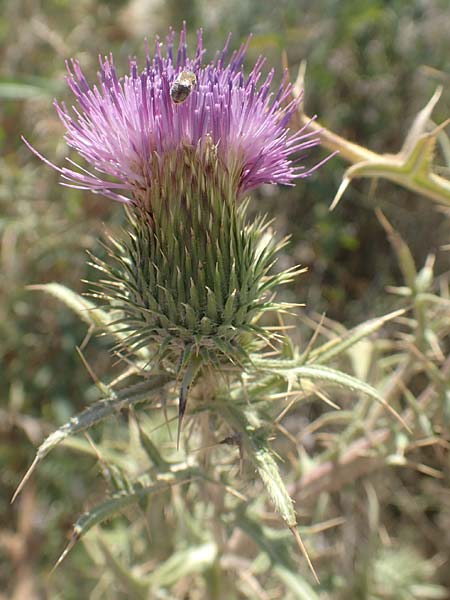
(100, 386)
(87, 337)
(396, 415)
(67, 549)
(303, 550)
(193, 365)
(344, 185)
(202, 448)
(182, 400)
(235, 493)
(287, 434)
(327, 400)
(299, 84)
(166, 416)
(26, 477)
(314, 337)
(157, 427)
(440, 127)
(287, 408)
(127, 373)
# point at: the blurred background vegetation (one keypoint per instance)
(372, 65)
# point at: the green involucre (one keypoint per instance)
(191, 276)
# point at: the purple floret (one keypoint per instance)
(121, 124)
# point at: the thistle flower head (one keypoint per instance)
(180, 142)
(122, 124)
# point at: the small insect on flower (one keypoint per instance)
(182, 86)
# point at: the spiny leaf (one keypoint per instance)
(421, 122)
(256, 447)
(94, 414)
(255, 444)
(334, 348)
(109, 508)
(264, 462)
(330, 376)
(410, 168)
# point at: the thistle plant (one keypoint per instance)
(184, 289)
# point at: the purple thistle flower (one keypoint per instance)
(121, 125)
